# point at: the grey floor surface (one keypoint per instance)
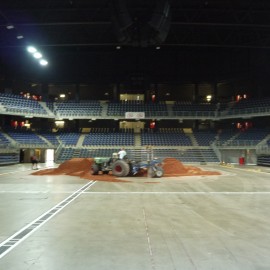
(190, 223)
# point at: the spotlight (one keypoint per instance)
(43, 62)
(37, 55)
(31, 49)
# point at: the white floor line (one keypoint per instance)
(18, 237)
(144, 192)
(148, 241)
(184, 192)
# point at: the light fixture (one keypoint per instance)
(20, 37)
(118, 47)
(59, 122)
(10, 26)
(209, 98)
(37, 55)
(31, 49)
(157, 47)
(43, 62)
(62, 95)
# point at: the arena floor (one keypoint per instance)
(190, 222)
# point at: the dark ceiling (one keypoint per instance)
(79, 37)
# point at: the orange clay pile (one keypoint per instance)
(81, 167)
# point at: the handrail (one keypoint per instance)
(58, 151)
(236, 143)
(263, 149)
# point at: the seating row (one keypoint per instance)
(127, 138)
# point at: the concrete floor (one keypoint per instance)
(189, 223)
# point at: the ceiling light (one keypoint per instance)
(158, 48)
(37, 55)
(10, 26)
(31, 49)
(20, 37)
(43, 62)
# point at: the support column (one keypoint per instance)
(215, 91)
(77, 92)
(45, 91)
(116, 91)
(195, 92)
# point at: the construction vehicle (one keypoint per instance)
(125, 167)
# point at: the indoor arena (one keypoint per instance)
(134, 135)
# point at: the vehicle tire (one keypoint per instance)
(94, 169)
(159, 172)
(151, 172)
(120, 168)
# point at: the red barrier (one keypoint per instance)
(241, 161)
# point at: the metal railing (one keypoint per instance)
(237, 143)
(263, 149)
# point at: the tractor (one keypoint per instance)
(125, 167)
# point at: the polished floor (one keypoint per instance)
(188, 223)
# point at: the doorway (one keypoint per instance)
(49, 155)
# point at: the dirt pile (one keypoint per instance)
(81, 167)
(173, 167)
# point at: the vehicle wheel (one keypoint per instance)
(106, 172)
(159, 172)
(120, 168)
(94, 169)
(151, 172)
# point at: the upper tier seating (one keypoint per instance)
(248, 106)
(19, 104)
(188, 108)
(150, 109)
(77, 109)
